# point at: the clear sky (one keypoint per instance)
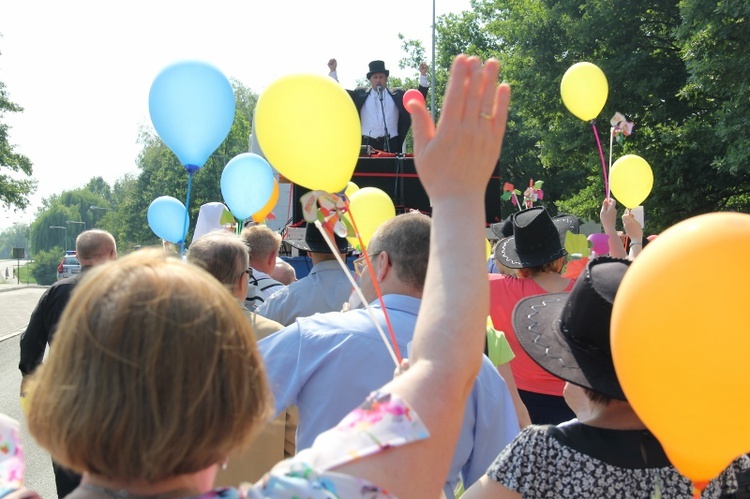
(82, 69)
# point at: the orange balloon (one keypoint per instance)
(261, 214)
(680, 341)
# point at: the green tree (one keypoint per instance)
(16, 236)
(634, 44)
(44, 268)
(714, 37)
(14, 189)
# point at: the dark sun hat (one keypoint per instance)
(377, 67)
(536, 240)
(564, 223)
(567, 334)
(315, 243)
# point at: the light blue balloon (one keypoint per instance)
(246, 184)
(167, 217)
(191, 105)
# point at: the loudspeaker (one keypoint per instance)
(398, 178)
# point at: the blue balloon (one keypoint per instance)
(167, 217)
(246, 184)
(191, 105)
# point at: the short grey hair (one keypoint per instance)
(222, 254)
(406, 239)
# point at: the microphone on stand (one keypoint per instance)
(385, 126)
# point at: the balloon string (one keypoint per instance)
(611, 141)
(601, 155)
(187, 213)
(374, 281)
(334, 249)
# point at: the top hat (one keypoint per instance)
(315, 243)
(567, 334)
(377, 67)
(536, 240)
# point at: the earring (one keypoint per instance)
(224, 465)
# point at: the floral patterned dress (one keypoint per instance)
(577, 460)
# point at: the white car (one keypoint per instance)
(68, 266)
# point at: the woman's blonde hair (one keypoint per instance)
(154, 373)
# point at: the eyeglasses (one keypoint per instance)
(360, 264)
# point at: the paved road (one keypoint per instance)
(16, 305)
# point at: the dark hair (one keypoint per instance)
(597, 397)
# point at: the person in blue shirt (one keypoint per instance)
(327, 363)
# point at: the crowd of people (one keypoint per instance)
(212, 378)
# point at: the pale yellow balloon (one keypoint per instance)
(584, 90)
(680, 341)
(309, 130)
(631, 180)
(351, 188)
(369, 208)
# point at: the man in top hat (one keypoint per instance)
(325, 289)
(385, 121)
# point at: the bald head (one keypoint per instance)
(94, 247)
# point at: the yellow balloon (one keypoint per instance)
(631, 180)
(369, 208)
(584, 90)
(309, 130)
(351, 188)
(261, 214)
(680, 341)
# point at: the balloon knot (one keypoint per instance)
(698, 488)
(192, 168)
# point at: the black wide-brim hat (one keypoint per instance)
(564, 223)
(377, 67)
(315, 243)
(567, 334)
(536, 240)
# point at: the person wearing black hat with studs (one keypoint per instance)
(385, 121)
(535, 250)
(607, 451)
(325, 289)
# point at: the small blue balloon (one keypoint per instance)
(246, 184)
(191, 105)
(167, 217)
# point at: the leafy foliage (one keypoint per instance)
(14, 189)
(15, 236)
(678, 70)
(44, 268)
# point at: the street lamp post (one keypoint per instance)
(66, 233)
(74, 222)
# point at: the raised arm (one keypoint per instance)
(454, 160)
(332, 65)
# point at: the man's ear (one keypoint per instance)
(272, 258)
(384, 267)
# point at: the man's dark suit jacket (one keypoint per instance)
(360, 94)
